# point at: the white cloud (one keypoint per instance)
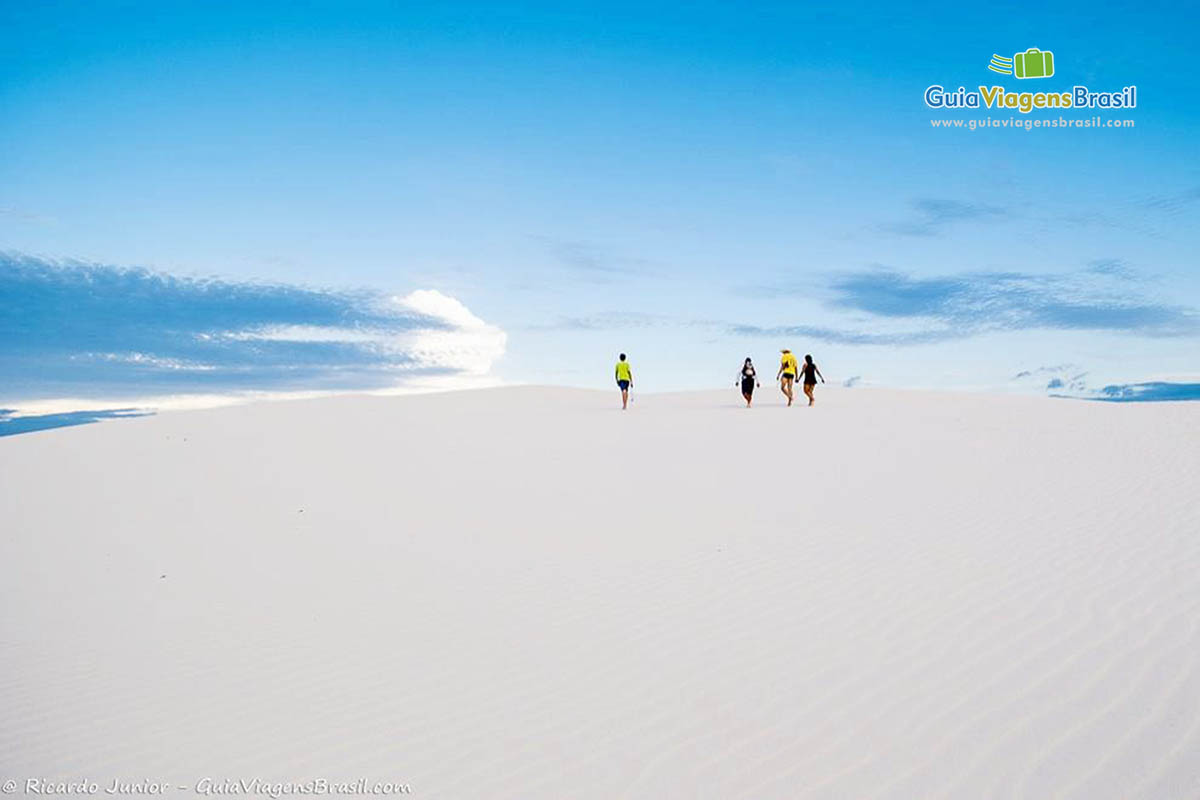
(303, 333)
(147, 360)
(455, 351)
(466, 345)
(433, 303)
(469, 345)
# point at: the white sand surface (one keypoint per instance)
(526, 593)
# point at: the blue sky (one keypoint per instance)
(221, 197)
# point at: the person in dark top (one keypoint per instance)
(748, 379)
(810, 373)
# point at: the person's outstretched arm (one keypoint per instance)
(818, 371)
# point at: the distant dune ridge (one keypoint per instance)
(526, 593)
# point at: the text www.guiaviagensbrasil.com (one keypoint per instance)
(1020, 123)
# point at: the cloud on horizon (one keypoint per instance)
(839, 336)
(70, 328)
(972, 303)
(1055, 378)
(1151, 392)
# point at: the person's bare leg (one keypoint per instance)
(808, 390)
(747, 399)
(787, 390)
(624, 399)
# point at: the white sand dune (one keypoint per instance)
(525, 593)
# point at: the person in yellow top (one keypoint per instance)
(788, 370)
(624, 380)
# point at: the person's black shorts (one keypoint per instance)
(624, 385)
(747, 386)
(788, 376)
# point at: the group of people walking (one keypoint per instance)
(789, 370)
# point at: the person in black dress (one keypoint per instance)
(810, 373)
(748, 379)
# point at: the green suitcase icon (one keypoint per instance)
(1033, 63)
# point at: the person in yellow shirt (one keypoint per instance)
(787, 373)
(624, 380)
